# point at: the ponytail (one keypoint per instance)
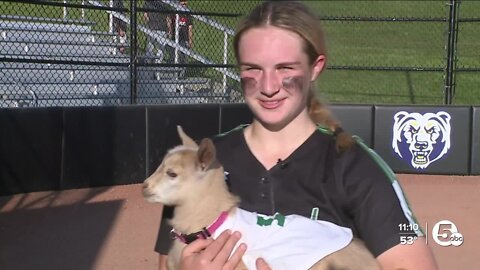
(320, 114)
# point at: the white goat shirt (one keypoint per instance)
(298, 244)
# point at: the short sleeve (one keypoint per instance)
(374, 199)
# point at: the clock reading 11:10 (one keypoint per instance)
(406, 227)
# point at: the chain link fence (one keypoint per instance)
(113, 52)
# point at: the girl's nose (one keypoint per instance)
(270, 83)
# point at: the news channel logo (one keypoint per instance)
(445, 233)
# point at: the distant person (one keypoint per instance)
(160, 23)
(185, 32)
(119, 27)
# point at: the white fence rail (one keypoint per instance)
(225, 30)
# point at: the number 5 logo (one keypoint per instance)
(445, 233)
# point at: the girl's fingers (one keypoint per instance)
(212, 250)
(227, 249)
(236, 257)
(214, 254)
(196, 246)
(261, 264)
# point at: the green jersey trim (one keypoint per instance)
(242, 126)
(407, 210)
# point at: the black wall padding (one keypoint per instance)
(234, 114)
(103, 146)
(356, 120)
(476, 141)
(198, 121)
(30, 149)
(64, 148)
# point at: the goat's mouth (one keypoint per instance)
(149, 195)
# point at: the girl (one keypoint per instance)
(283, 162)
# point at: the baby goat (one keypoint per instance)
(192, 180)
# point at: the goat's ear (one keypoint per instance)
(206, 153)
(187, 141)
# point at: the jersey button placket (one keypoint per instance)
(264, 187)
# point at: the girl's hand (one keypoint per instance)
(213, 254)
(262, 264)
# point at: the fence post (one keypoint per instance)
(225, 59)
(133, 52)
(177, 20)
(110, 18)
(451, 52)
(65, 10)
(83, 11)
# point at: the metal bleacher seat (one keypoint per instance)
(60, 49)
(51, 63)
(24, 83)
(41, 39)
(174, 87)
(40, 23)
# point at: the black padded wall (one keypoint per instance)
(434, 140)
(30, 149)
(234, 114)
(476, 141)
(356, 120)
(62, 148)
(198, 121)
(103, 146)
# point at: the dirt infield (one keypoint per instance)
(114, 228)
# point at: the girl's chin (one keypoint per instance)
(272, 119)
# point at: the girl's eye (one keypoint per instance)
(248, 68)
(171, 173)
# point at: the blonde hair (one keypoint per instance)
(296, 17)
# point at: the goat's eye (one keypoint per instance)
(171, 173)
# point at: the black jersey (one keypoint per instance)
(353, 189)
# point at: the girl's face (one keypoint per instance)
(276, 74)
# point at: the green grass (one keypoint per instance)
(382, 87)
(387, 44)
(11, 8)
(397, 44)
(349, 43)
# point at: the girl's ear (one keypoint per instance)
(318, 66)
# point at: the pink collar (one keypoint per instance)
(204, 233)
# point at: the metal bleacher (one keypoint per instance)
(63, 62)
(44, 63)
